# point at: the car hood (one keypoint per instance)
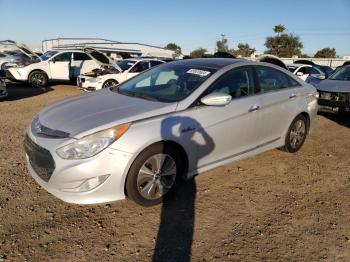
(23, 48)
(85, 114)
(100, 58)
(334, 86)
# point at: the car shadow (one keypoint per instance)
(17, 91)
(342, 119)
(177, 218)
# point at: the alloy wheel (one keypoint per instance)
(297, 134)
(156, 176)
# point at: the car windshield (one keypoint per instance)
(165, 83)
(342, 74)
(125, 64)
(47, 55)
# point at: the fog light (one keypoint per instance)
(88, 184)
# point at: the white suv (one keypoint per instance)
(55, 66)
(110, 75)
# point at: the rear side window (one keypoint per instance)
(237, 83)
(271, 79)
(64, 57)
(81, 57)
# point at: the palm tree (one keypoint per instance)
(279, 29)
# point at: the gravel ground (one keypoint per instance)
(272, 207)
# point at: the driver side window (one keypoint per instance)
(237, 83)
(140, 67)
(64, 57)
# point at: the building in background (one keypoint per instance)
(113, 49)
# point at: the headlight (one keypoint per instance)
(91, 145)
(94, 80)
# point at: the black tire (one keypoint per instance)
(296, 134)
(3, 66)
(132, 185)
(109, 83)
(38, 79)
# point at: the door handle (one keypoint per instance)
(254, 108)
(292, 96)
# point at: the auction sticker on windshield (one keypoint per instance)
(198, 72)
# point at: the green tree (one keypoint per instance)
(279, 29)
(283, 45)
(199, 52)
(326, 53)
(222, 46)
(174, 47)
(243, 50)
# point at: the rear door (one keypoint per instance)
(278, 94)
(60, 66)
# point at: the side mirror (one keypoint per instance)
(321, 77)
(300, 74)
(53, 60)
(216, 99)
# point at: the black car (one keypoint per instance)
(335, 92)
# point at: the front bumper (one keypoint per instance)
(69, 175)
(83, 83)
(334, 101)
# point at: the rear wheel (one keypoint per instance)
(296, 134)
(38, 79)
(153, 174)
(109, 83)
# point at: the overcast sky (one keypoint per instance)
(190, 24)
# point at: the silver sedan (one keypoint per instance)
(178, 119)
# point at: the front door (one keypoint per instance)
(231, 128)
(137, 69)
(60, 66)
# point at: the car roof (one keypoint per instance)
(214, 63)
(298, 65)
(141, 59)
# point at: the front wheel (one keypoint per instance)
(296, 134)
(153, 175)
(109, 83)
(38, 79)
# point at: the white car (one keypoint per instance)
(110, 76)
(55, 66)
(20, 55)
(306, 72)
(175, 120)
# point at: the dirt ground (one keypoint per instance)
(272, 207)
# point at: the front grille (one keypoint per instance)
(335, 96)
(40, 159)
